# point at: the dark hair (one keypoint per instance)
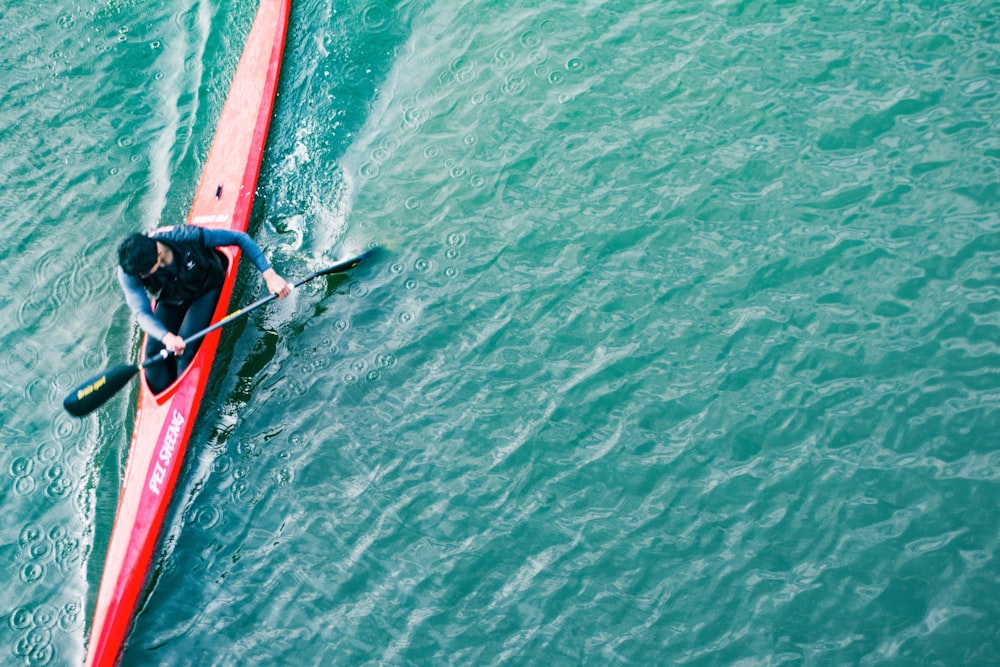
(137, 254)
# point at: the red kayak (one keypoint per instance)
(163, 422)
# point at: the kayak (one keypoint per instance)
(163, 422)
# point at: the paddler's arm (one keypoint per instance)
(142, 308)
(140, 305)
(223, 237)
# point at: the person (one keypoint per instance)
(179, 268)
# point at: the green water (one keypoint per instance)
(685, 349)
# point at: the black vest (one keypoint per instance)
(196, 269)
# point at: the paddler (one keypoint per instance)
(179, 268)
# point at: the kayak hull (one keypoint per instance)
(164, 422)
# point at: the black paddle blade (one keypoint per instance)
(347, 264)
(95, 392)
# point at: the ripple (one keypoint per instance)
(206, 518)
(67, 552)
(23, 357)
(487, 98)
(284, 477)
(514, 85)
(374, 18)
(463, 71)
(359, 290)
(64, 429)
(32, 572)
(414, 118)
(21, 466)
(20, 619)
(503, 57)
(30, 534)
(70, 617)
(37, 311)
(24, 485)
(35, 390)
(385, 360)
(222, 465)
(370, 171)
(59, 488)
(39, 635)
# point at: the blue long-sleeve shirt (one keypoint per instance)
(142, 306)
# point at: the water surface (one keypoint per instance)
(684, 349)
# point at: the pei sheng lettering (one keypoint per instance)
(166, 453)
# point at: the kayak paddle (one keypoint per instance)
(96, 391)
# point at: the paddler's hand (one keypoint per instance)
(174, 343)
(276, 284)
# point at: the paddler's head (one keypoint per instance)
(138, 255)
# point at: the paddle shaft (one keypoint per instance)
(95, 392)
(236, 314)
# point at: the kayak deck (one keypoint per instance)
(164, 422)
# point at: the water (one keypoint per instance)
(684, 349)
